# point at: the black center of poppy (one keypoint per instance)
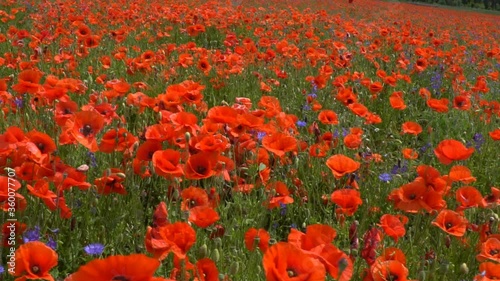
(291, 272)
(412, 196)
(120, 278)
(40, 146)
(448, 225)
(67, 111)
(86, 130)
(494, 252)
(191, 203)
(35, 269)
(460, 103)
(392, 277)
(201, 170)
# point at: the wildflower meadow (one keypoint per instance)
(248, 140)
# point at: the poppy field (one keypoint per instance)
(148, 140)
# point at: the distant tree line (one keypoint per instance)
(479, 4)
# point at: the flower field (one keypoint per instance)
(148, 140)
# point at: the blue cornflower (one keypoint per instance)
(301, 123)
(385, 177)
(32, 235)
(425, 147)
(478, 140)
(94, 249)
(19, 102)
(400, 169)
(261, 135)
(282, 209)
(93, 160)
(52, 243)
(2, 269)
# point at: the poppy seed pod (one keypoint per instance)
(464, 268)
(216, 255)
(202, 251)
(234, 268)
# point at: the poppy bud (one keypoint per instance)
(216, 255)
(202, 251)
(447, 241)
(121, 175)
(188, 136)
(218, 242)
(233, 269)
(445, 266)
(342, 265)
(422, 276)
(222, 277)
(464, 268)
(82, 168)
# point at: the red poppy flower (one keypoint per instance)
(412, 128)
(111, 182)
(341, 165)
(394, 226)
(348, 201)
(271, 105)
(461, 173)
(389, 270)
(358, 109)
(279, 143)
(206, 270)
(316, 235)
(489, 271)
(259, 237)
(451, 150)
(222, 114)
(490, 250)
(29, 80)
(6, 187)
(42, 191)
(118, 140)
(328, 117)
(167, 163)
(132, 267)
(284, 261)
(495, 134)
(396, 101)
(175, 238)
(409, 197)
(200, 165)
(12, 228)
(203, 216)
(160, 215)
(469, 197)
(34, 260)
(42, 141)
(451, 222)
(84, 128)
(440, 105)
(410, 154)
(281, 195)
